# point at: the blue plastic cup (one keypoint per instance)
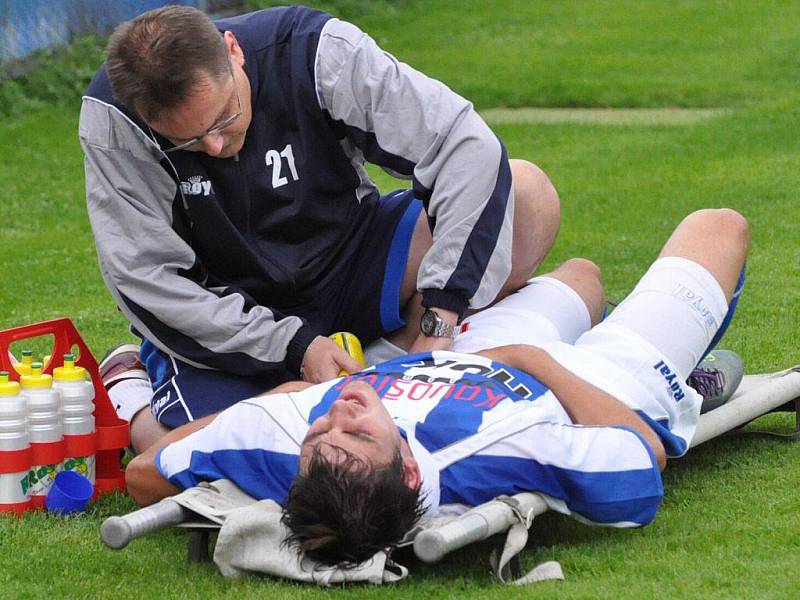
(69, 494)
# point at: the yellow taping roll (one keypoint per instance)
(351, 345)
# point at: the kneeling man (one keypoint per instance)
(585, 416)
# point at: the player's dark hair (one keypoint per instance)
(342, 510)
(154, 61)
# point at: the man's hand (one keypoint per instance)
(324, 359)
(424, 343)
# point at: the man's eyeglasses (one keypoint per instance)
(213, 129)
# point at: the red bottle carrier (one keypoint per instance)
(15, 461)
(113, 433)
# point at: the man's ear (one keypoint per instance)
(411, 472)
(234, 49)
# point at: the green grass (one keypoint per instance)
(728, 525)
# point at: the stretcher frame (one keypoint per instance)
(756, 396)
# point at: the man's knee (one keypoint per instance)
(534, 194)
(537, 215)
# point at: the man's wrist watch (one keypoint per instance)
(432, 325)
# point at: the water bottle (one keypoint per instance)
(24, 367)
(15, 450)
(77, 406)
(46, 432)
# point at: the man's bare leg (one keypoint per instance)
(537, 214)
(145, 431)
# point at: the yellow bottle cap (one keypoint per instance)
(7, 387)
(36, 379)
(24, 367)
(69, 372)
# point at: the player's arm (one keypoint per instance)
(584, 403)
(145, 482)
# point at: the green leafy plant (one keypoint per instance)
(52, 77)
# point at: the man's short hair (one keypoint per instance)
(343, 510)
(154, 61)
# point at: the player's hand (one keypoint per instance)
(423, 343)
(324, 359)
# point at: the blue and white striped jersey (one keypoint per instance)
(478, 429)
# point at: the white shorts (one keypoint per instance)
(641, 354)
(544, 310)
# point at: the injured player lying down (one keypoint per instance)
(585, 415)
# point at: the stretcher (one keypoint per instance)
(433, 539)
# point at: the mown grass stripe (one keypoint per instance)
(603, 116)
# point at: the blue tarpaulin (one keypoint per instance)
(30, 25)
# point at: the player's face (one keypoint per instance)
(358, 423)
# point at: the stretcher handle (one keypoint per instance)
(479, 523)
(117, 532)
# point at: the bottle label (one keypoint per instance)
(40, 478)
(81, 464)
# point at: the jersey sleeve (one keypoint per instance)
(148, 266)
(600, 475)
(245, 444)
(418, 128)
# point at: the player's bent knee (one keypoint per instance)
(585, 278)
(585, 268)
(724, 223)
(734, 224)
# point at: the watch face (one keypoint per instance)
(428, 322)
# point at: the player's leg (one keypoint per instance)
(182, 393)
(661, 330)
(584, 278)
(556, 307)
(725, 260)
(681, 302)
(716, 239)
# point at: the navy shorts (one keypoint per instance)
(364, 300)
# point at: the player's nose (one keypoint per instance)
(342, 410)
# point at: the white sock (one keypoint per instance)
(130, 396)
(381, 350)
